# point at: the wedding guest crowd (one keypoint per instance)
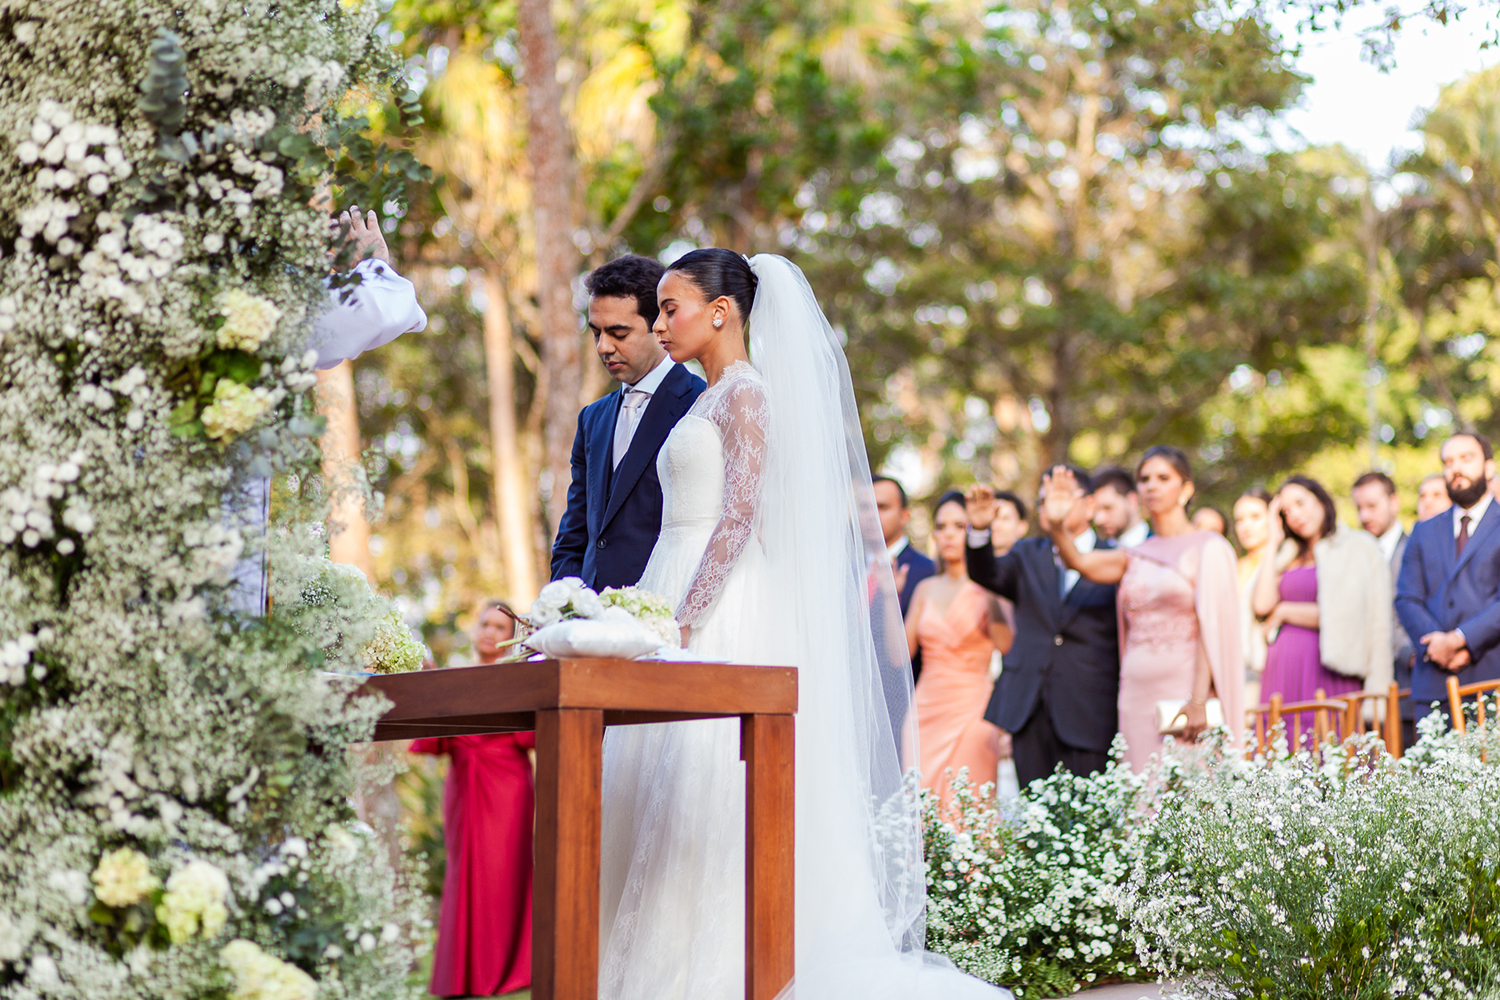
(1127, 615)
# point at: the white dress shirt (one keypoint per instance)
(897, 547)
(1134, 535)
(1083, 543)
(1474, 513)
(380, 308)
(1390, 540)
(633, 406)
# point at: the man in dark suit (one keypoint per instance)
(614, 502)
(1379, 511)
(1057, 695)
(1448, 594)
(910, 566)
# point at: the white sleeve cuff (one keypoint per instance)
(978, 539)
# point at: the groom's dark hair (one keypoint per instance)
(630, 276)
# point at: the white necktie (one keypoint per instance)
(630, 413)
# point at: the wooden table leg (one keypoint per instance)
(767, 743)
(565, 900)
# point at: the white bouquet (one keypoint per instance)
(569, 618)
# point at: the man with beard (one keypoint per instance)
(1449, 590)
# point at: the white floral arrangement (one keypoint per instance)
(338, 601)
(622, 621)
(1020, 897)
(174, 791)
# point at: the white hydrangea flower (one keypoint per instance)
(235, 409)
(195, 897)
(259, 976)
(248, 320)
(123, 878)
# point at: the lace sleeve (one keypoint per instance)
(741, 418)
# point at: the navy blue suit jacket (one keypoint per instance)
(920, 568)
(1066, 653)
(614, 515)
(1439, 591)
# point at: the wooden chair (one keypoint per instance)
(1329, 721)
(1385, 717)
(1456, 695)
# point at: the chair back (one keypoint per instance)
(1376, 712)
(1456, 695)
(1327, 725)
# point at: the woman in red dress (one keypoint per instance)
(484, 931)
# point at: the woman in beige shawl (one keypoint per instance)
(1178, 605)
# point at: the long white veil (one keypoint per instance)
(860, 881)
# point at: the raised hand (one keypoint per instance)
(1060, 494)
(364, 233)
(981, 507)
(901, 573)
(1275, 530)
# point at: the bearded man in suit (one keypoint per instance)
(1448, 594)
(613, 516)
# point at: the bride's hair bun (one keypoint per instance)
(719, 272)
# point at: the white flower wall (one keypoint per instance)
(174, 783)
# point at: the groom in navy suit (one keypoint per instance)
(1448, 594)
(614, 502)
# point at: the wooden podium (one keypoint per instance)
(568, 703)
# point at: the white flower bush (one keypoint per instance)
(1023, 898)
(1352, 876)
(174, 785)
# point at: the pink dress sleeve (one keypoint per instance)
(741, 416)
(1218, 601)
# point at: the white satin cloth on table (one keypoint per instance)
(771, 550)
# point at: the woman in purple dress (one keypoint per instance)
(1286, 600)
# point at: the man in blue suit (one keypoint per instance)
(1448, 594)
(614, 502)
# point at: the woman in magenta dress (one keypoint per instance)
(1303, 657)
(484, 932)
(958, 625)
(1178, 605)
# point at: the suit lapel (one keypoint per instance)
(1481, 535)
(661, 415)
(601, 461)
(1045, 568)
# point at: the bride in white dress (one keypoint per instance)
(771, 553)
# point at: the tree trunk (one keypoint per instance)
(512, 511)
(348, 531)
(549, 148)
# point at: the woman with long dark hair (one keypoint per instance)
(1320, 595)
(1179, 608)
(958, 626)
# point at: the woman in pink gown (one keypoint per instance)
(484, 931)
(1178, 605)
(958, 625)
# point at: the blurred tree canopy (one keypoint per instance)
(1045, 229)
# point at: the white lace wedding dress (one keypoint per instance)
(771, 552)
